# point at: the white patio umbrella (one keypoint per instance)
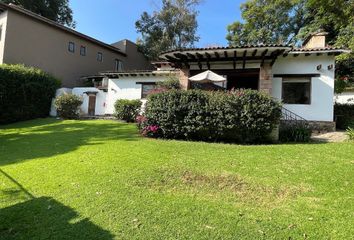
(207, 76)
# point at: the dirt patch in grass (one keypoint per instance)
(223, 185)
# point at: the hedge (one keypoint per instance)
(245, 116)
(344, 115)
(127, 110)
(67, 106)
(25, 93)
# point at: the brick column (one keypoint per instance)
(266, 78)
(183, 78)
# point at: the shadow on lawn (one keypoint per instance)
(58, 137)
(43, 218)
(46, 218)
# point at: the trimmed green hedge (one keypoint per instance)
(344, 115)
(127, 110)
(245, 116)
(25, 93)
(68, 106)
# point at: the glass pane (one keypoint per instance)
(296, 92)
(147, 89)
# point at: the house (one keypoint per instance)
(30, 39)
(302, 78)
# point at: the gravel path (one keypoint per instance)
(331, 137)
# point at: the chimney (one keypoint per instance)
(315, 40)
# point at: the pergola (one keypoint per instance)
(239, 54)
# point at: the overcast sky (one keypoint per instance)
(113, 20)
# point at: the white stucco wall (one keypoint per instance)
(3, 25)
(101, 96)
(127, 88)
(346, 97)
(322, 88)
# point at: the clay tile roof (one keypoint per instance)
(226, 48)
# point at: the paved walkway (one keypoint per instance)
(331, 137)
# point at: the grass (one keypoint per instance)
(101, 180)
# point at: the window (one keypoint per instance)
(71, 47)
(296, 90)
(147, 89)
(118, 65)
(83, 51)
(99, 57)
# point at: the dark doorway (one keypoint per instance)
(237, 78)
(92, 105)
(246, 80)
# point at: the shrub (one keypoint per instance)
(344, 115)
(25, 93)
(294, 132)
(239, 116)
(67, 106)
(350, 133)
(170, 83)
(127, 110)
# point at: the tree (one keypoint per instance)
(173, 26)
(268, 22)
(284, 21)
(56, 10)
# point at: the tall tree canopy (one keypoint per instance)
(290, 21)
(173, 26)
(56, 10)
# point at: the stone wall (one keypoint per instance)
(183, 78)
(265, 78)
(322, 126)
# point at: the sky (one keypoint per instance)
(114, 20)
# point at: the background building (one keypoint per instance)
(29, 39)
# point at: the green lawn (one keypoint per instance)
(101, 180)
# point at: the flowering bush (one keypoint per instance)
(141, 121)
(151, 131)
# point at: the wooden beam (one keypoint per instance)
(234, 60)
(244, 59)
(263, 56)
(171, 58)
(318, 54)
(296, 54)
(200, 65)
(217, 55)
(297, 75)
(191, 56)
(254, 53)
(307, 54)
(200, 56)
(208, 59)
(225, 53)
(180, 55)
